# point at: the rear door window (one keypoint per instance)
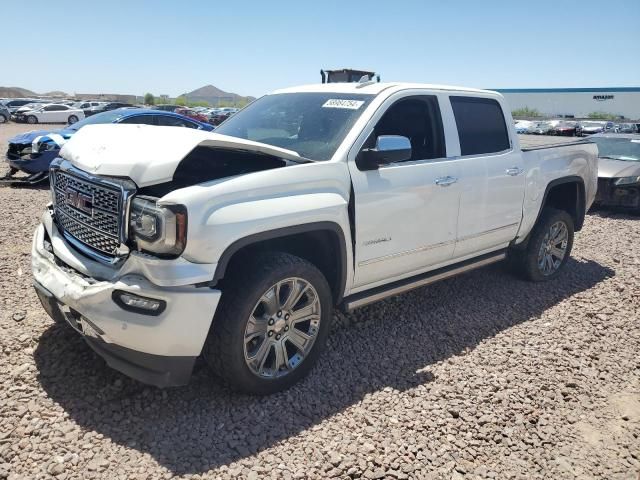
(170, 121)
(481, 125)
(141, 120)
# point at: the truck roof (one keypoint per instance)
(374, 88)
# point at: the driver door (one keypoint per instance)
(406, 212)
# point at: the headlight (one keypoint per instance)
(627, 180)
(161, 230)
(39, 147)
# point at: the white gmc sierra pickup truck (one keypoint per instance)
(164, 244)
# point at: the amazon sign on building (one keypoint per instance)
(579, 102)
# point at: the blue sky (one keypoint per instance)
(252, 47)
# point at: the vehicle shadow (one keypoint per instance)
(391, 344)
(616, 213)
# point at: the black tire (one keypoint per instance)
(3, 119)
(526, 261)
(31, 119)
(225, 347)
(72, 119)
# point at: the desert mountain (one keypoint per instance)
(213, 95)
(15, 92)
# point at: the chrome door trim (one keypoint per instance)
(406, 252)
(487, 232)
(425, 248)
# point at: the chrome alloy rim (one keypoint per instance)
(553, 248)
(282, 328)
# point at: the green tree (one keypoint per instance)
(526, 112)
(181, 101)
(602, 116)
(149, 99)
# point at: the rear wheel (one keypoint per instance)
(3, 119)
(72, 119)
(32, 119)
(548, 248)
(271, 325)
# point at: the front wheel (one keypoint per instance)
(32, 119)
(72, 119)
(548, 248)
(3, 119)
(272, 323)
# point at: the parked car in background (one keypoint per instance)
(522, 126)
(626, 128)
(218, 117)
(618, 170)
(86, 105)
(541, 128)
(50, 113)
(27, 107)
(16, 103)
(106, 107)
(32, 152)
(189, 112)
(567, 129)
(590, 128)
(5, 114)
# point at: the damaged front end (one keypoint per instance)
(146, 317)
(107, 256)
(622, 193)
(31, 153)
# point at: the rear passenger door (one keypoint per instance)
(492, 178)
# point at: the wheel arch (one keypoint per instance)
(321, 243)
(566, 193)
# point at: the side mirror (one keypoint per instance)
(388, 149)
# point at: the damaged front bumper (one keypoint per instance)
(158, 348)
(20, 157)
(617, 196)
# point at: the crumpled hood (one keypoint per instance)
(609, 168)
(147, 154)
(30, 136)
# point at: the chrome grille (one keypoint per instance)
(97, 221)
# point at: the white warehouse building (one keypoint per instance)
(578, 102)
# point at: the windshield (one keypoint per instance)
(311, 124)
(105, 117)
(618, 148)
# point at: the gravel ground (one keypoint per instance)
(482, 376)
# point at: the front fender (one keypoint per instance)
(223, 212)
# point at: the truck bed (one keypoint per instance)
(536, 142)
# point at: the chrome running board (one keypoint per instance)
(401, 286)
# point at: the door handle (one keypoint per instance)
(446, 181)
(514, 171)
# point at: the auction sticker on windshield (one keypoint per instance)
(339, 103)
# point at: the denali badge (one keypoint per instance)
(79, 201)
(376, 241)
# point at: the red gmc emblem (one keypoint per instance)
(79, 201)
